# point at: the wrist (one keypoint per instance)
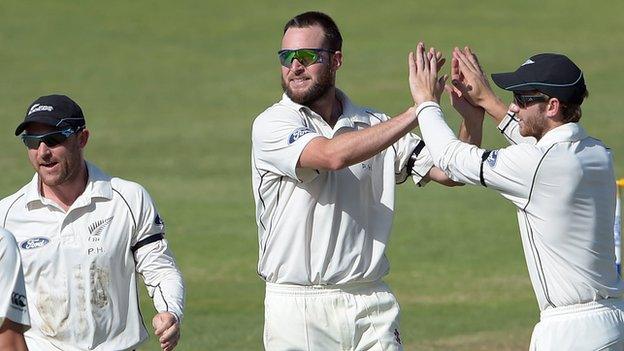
(492, 104)
(175, 316)
(426, 98)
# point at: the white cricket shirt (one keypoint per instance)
(319, 227)
(80, 266)
(13, 304)
(564, 189)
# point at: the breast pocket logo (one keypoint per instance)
(298, 133)
(34, 243)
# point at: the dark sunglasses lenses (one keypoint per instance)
(50, 139)
(305, 56)
(524, 100)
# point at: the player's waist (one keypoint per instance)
(592, 306)
(310, 290)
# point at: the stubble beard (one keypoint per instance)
(535, 125)
(68, 172)
(312, 94)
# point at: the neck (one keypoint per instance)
(328, 106)
(65, 194)
(551, 124)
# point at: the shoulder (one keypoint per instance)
(8, 245)
(11, 200)
(521, 156)
(375, 116)
(276, 112)
(131, 192)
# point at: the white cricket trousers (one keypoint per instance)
(353, 317)
(591, 326)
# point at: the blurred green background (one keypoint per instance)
(170, 89)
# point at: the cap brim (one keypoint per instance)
(511, 81)
(35, 119)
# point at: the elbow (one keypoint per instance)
(336, 163)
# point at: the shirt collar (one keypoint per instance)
(565, 132)
(98, 186)
(351, 113)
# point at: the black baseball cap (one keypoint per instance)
(54, 110)
(552, 74)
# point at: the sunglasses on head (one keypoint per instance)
(32, 141)
(523, 101)
(305, 56)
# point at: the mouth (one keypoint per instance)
(48, 165)
(298, 81)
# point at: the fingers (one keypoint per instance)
(472, 58)
(420, 50)
(170, 334)
(411, 63)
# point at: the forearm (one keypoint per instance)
(163, 279)
(436, 133)
(349, 148)
(11, 336)
(494, 107)
(471, 131)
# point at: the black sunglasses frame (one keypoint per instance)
(52, 139)
(523, 101)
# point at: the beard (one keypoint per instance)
(313, 93)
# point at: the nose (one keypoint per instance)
(43, 149)
(296, 66)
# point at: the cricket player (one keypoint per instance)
(14, 319)
(83, 237)
(560, 179)
(323, 173)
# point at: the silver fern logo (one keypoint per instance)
(97, 227)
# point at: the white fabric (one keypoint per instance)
(13, 304)
(586, 327)
(79, 265)
(356, 317)
(323, 227)
(564, 189)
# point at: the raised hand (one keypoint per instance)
(423, 75)
(463, 106)
(468, 77)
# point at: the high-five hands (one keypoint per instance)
(423, 74)
(468, 78)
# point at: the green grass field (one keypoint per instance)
(170, 90)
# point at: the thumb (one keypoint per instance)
(158, 324)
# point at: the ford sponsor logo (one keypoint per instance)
(34, 243)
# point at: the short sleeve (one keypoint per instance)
(412, 159)
(13, 304)
(279, 136)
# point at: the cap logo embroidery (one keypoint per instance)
(38, 107)
(528, 62)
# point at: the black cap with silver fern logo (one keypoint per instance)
(54, 110)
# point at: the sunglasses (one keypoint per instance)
(32, 141)
(523, 101)
(305, 56)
